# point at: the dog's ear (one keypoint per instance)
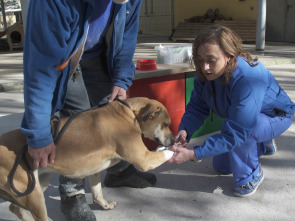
(149, 112)
(155, 114)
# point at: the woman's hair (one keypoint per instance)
(229, 42)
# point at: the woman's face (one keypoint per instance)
(211, 60)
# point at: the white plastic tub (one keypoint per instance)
(172, 54)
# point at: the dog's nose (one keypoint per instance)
(171, 140)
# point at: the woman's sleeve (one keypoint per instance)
(246, 101)
(196, 111)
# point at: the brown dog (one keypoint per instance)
(94, 141)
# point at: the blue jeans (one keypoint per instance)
(243, 161)
(90, 88)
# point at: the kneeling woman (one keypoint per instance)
(236, 87)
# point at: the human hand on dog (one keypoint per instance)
(117, 92)
(181, 154)
(180, 138)
(42, 155)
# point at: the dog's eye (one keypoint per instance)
(166, 125)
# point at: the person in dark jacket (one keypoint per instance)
(233, 85)
(77, 54)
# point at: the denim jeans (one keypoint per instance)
(90, 88)
(243, 161)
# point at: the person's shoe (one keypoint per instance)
(270, 147)
(76, 208)
(249, 188)
(130, 177)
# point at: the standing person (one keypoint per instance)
(233, 86)
(104, 33)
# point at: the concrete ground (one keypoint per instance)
(183, 192)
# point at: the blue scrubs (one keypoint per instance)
(256, 109)
(242, 161)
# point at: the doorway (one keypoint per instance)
(280, 19)
(155, 19)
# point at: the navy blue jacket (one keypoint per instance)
(54, 31)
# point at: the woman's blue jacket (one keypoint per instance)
(251, 91)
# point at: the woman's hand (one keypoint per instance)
(180, 138)
(181, 154)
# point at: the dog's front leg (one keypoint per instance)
(95, 185)
(144, 159)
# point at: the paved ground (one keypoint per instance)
(189, 191)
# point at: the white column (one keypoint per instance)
(25, 6)
(260, 25)
(3, 15)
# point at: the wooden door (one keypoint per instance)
(155, 18)
(280, 19)
(290, 21)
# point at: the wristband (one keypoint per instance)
(195, 159)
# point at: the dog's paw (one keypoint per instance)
(168, 154)
(108, 205)
(161, 148)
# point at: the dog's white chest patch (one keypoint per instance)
(99, 167)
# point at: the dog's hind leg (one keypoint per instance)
(95, 184)
(20, 212)
(44, 178)
(35, 203)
